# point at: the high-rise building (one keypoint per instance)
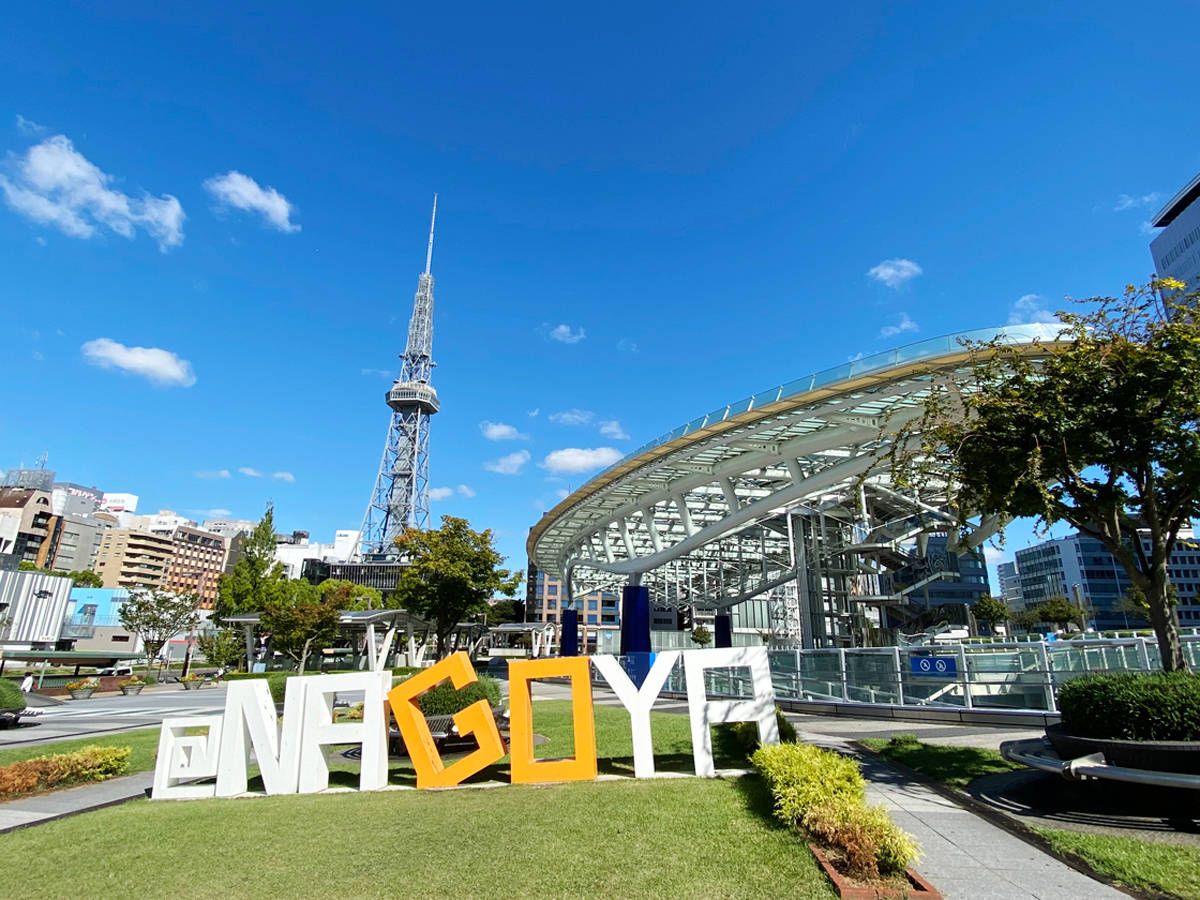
(133, 559)
(79, 543)
(32, 529)
(400, 498)
(1010, 585)
(197, 562)
(599, 611)
(1176, 249)
(1081, 569)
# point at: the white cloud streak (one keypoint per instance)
(612, 428)
(237, 191)
(213, 473)
(573, 417)
(466, 490)
(56, 185)
(508, 465)
(1125, 201)
(498, 431)
(895, 272)
(283, 476)
(575, 459)
(160, 366)
(566, 335)
(30, 128)
(249, 472)
(1030, 308)
(440, 493)
(905, 324)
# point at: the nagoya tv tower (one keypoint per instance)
(401, 496)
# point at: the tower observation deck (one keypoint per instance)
(400, 498)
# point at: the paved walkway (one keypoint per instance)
(47, 807)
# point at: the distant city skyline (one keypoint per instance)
(210, 226)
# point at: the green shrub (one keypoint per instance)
(736, 738)
(802, 776)
(1133, 706)
(405, 671)
(277, 682)
(10, 695)
(444, 700)
(92, 763)
(870, 841)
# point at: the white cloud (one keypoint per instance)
(625, 345)
(283, 476)
(534, 412)
(440, 493)
(1147, 229)
(56, 185)
(573, 417)
(498, 431)
(37, 354)
(213, 473)
(561, 493)
(249, 472)
(575, 459)
(382, 373)
(211, 512)
(1125, 201)
(466, 490)
(993, 556)
(895, 272)
(905, 324)
(233, 189)
(612, 428)
(566, 335)
(508, 465)
(1030, 308)
(160, 366)
(29, 127)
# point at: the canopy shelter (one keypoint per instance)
(77, 658)
(506, 639)
(785, 495)
(372, 630)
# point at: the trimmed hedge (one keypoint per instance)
(823, 793)
(10, 695)
(1132, 706)
(445, 700)
(735, 737)
(93, 763)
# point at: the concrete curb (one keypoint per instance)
(142, 791)
(1013, 826)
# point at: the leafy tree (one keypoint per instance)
(156, 617)
(501, 613)
(1026, 619)
(222, 646)
(1100, 432)
(989, 610)
(256, 578)
(450, 575)
(301, 622)
(1060, 611)
(702, 636)
(86, 578)
(348, 595)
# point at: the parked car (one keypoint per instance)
(116, 670)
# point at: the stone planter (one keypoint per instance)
(82, 694)
(1157, 756)
(131, 689)
(919, 888)
(192, 685)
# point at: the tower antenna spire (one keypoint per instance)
(429, 252)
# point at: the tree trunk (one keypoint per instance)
(303, 657)
(1166, 627)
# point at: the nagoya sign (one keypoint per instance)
(291, 755)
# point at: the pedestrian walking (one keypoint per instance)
(27, 683)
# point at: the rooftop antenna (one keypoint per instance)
(429, 252)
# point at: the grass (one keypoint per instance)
(1143, 865)
(142, 745)
(651, 838)
(953, 766)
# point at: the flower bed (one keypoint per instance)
(823, 794)
(92, 763)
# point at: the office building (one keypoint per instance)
(133, 559)
(197, 562)
(79, 543)
(292, 550)
(1010, 585)
(75, 499)
(599, 611)
(1176, 249)
(29, 530)
(32, 608)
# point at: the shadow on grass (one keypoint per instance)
(757, 799)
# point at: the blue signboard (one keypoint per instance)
(936, 666)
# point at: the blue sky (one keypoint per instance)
(693, 196)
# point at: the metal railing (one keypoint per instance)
(1018, 676)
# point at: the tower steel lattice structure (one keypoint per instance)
(400, 498)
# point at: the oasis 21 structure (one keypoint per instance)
(400, 498)
(776, 513)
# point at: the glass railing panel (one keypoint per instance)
(871, 677)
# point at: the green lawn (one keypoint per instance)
(142, 744)
(953, 766)
(1144, 865)
(668, 837)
